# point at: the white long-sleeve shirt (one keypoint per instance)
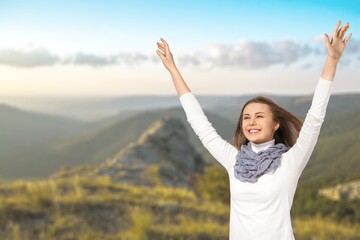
(261, 210)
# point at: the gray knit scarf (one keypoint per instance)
(250, 165)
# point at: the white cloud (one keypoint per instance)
(92, 60)
(27, 58)
(132, 58)
(243, 54)
(248, 54)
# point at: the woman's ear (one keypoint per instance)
(277, 126)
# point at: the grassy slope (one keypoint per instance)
(84, 208)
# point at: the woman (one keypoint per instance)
(270, 150)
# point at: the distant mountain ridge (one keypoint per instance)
(22, 129)
(339, 136)
(94, 146)
(162, 155)
(298, 105)
(96, 108)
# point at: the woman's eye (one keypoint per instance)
(260, 116)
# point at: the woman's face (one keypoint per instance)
(258, 125)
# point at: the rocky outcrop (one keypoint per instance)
(162, 155)
(347, 191)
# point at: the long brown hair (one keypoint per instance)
(289, 128)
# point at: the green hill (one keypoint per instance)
(26, 136)
(21, 129)
(92, 147)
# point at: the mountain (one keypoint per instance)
(93, 147)
(298, 105)
(336, 156)
(91, 108)
(335, 159)
(21, 129)
(161, 155)
(27, 136)
(105, 138)
(102, 143)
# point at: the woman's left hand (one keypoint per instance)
(335, 47)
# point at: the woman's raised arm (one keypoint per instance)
(300, 153)
(167, 58)
(220, 149)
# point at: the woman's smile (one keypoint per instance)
(254, 131)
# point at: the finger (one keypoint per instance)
(161, 55)
(167, 48)
(343, 30)
(347, 39)
(161, 51)
(327, 40)
(164, 42)
(160, 44)
(335, 32)
(161, 47)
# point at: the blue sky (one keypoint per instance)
(222, 47)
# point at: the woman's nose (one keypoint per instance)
(252, 122)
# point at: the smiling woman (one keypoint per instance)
(270, 150)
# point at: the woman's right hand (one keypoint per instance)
(165, 55)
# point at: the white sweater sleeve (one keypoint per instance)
(299, 154)
(220, 149)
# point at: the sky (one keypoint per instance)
(107, 48)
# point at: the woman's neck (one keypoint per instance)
(257, 147)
